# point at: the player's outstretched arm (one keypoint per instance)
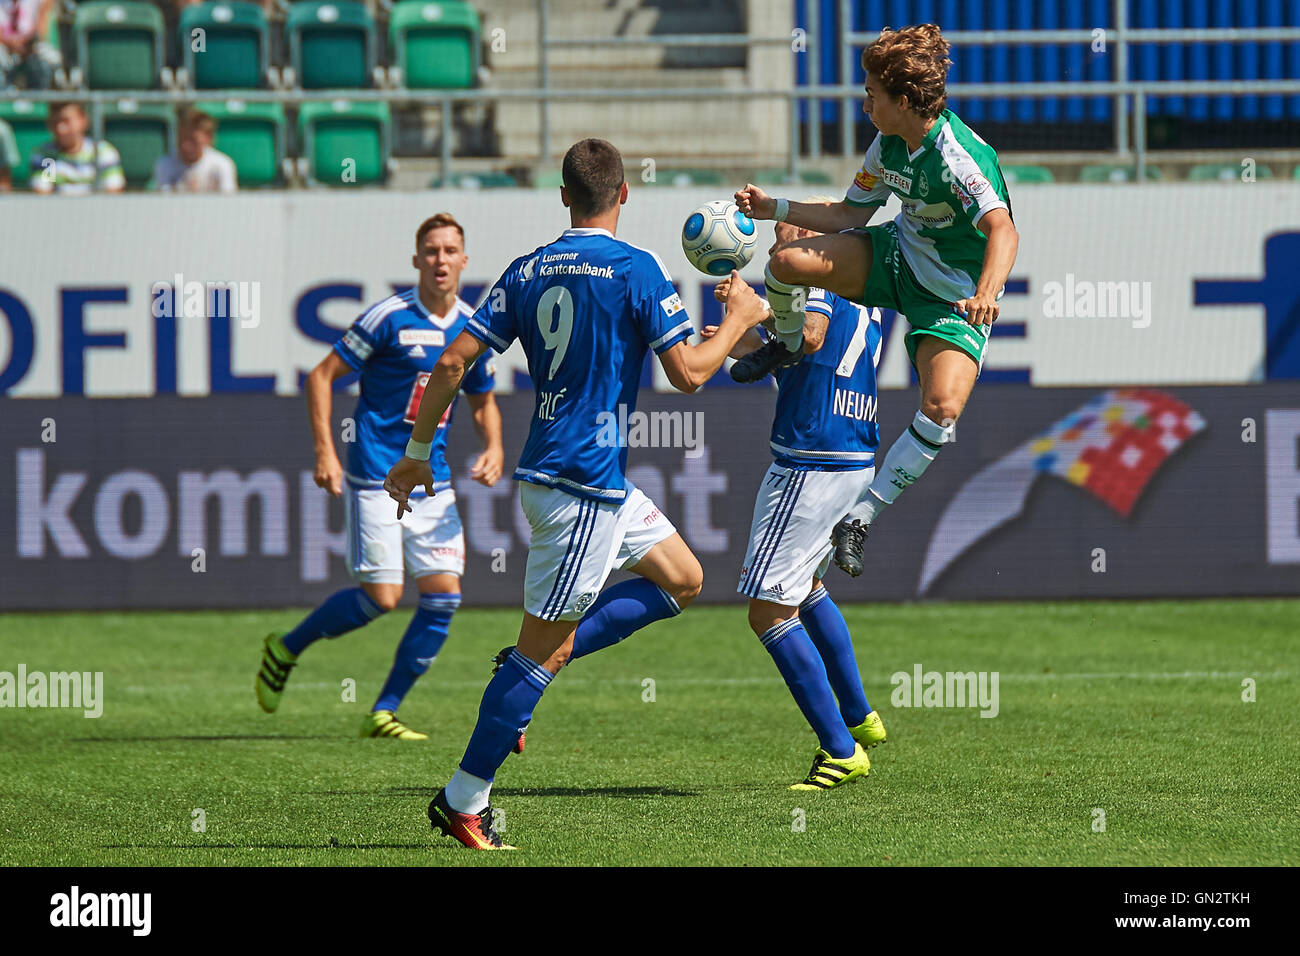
(413, 468)
(690, 366)
(826, 217)
(320, 398)
(999, 256)
(487, 422)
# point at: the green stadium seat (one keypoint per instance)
(1296, 173)
(1228, 172)
(141, 132)
(332, 134)
(119, 44)
(807, 177)
(1018, 175)
(1115, 174)
(331, 45)
(27, 120)
(252, 135)
(549, 179)
(236, 45)
(688, 177)
(435, 43)
(491, 179)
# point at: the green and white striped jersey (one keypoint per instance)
(945, 187)
(95, 167)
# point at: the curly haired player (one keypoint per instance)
(942, 262)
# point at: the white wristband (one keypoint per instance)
(782, 210)
(419, 450)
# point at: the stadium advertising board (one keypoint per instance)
(242, 294)
(1047, 493)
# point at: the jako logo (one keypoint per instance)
(948, 689)
(102, 909)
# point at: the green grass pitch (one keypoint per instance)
(1131, 708)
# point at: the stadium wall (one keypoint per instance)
(1047, 493)
(1183, 284)
(130, 437)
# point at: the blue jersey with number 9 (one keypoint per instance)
(585, 308)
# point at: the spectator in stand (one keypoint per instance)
(72, 163)
(9, 157)
(24, 44)
(195, 167)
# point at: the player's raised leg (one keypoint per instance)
(670, 579)
(947, 373)
(838, 263)
(342, 611)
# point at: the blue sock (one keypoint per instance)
(342, 611)
(626, 607)
(805, 674)
(830, 634)
(504, 713)
(420, 644)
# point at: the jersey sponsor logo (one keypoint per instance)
(416, 351)
(421, 337)
(578, 269)
(922, 185)
(358, 346)
(896, 180)
(671, 305)
(976, 184)
(932, 216)
(865, 180)
(966, 201)
(413, 402)
(529, 268)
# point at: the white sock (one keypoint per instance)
(787, 319)
(905, 462)
(467, 793)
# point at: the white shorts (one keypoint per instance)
(577, 542)
(790, 539)
(427, 540)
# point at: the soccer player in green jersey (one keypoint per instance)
(942, 262)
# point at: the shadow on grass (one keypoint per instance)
(200, 738)
(633, 792)
(265, 846)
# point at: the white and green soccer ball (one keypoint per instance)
(718, 237)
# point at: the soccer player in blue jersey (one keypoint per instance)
(586, 309)
(824, 441)
(394, 345)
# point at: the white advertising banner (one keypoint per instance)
(1114, 284)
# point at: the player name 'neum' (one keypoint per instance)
(856, 405)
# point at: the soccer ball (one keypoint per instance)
(718, 237)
